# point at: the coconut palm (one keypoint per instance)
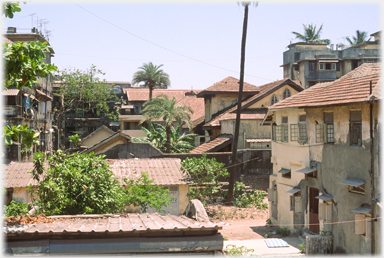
(311, 35)
(152, 76)
(162, 108)
(359, 38)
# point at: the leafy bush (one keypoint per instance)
(15, 209)
(233, 250)
(205, 173)
(75, 140)
(244, 199)
(284, 231)
(302, 247)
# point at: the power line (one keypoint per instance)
(172, 51)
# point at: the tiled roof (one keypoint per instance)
(165, 171)
(230, 116)
(351, 88)
(231, 84)
(110, 223)
(15, 174)
(6, 40)
(97, 130)
(197, 105)
(143, 94)
(258, 140)
(213, 145)
(11, 92)
(265, 90)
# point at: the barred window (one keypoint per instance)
(285, 133)
(328, 120)
(278, 133)
(302, 128)
(294, 133)
(274, 132)
(319, 133)
(355, 128)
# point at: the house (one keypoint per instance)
(31, 106)
(113, 234)
(221, 107)
(325, 159)
(314, 63)
(96, 136)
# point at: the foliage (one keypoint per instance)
(233, 250)
(10, 9)
(284, 231)
(311, 35)
(205, 173)
(24, 63)
(142, 192)
(268, 222)
(15, 209)
(156, 135)
(170, 113)
(360, 37)
(75, 140)
(152, 76)
(244, 199)
(77, 184)
(29, 137)
(302, 247)
(83, 91)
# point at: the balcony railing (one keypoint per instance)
(13, 111)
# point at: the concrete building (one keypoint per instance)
(325, 157)
(314, 63)
(31, 106)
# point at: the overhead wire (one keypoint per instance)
(167, 49)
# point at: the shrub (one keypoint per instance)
(283, 231)
(15, 209)
(233, 250)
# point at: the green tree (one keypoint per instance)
(142, 192)
(10, 9)
(29, 137)
(152, 76)
(83, 91)
(170, 113)
(311, 35)
(206, 175)
(361, 36)
(156, 135)
(77, 184)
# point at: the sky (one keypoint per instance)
(198, 44)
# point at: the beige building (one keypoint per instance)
(326, 163)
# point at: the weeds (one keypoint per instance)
(283, 231)
(233, 250)
(302, 247)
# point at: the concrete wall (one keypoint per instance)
(266, 101)
(20, 194)
(96, 138)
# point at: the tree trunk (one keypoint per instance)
(150, 92)
(168, 131)
(237, 125)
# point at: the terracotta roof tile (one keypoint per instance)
(164, 171)
(15, 174)
(231, 84)
(197, 105)
(11, 92)
(218, 142)
(351, 88)
(143, 94)
(230, 116)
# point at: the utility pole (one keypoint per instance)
(237, 124)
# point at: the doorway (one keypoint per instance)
(313, 210)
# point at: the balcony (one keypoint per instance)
(13, 111)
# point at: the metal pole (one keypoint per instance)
(372, 173)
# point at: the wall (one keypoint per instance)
(183, 198)
(138, 149)
(266, 101)
(96, 138)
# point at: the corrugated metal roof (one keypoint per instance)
(294, 190)
(324, 197)
(127, 223)
(16, 174)
(284, 171)
(306, 170)
(165, 171)
(352, 182)
(364, 208)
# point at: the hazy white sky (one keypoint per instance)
(198, 44)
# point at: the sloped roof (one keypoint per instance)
(229, 85)
(11, 92)
(15, 174)
(352, 88)
(197, 105)
(213, 145)
(104, 141)
(265, 90)
(165, 171)
(143, 94)
(97, 130)
(231, 116)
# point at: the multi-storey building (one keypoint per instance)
(314, 63)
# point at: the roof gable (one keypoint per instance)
(106, 141)
(103, 127)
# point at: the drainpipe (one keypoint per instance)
(372, 174)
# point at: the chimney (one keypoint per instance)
(11, 30)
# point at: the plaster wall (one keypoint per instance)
(96, 138)
(266, 101)
(219, 102)
(20, 194)
(183, 198)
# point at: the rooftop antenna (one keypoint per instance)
(31, 18)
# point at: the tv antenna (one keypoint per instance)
(31, 18)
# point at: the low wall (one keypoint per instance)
(318, 244)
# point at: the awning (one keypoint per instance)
(294, 190)
(284, 171)
(115, 123)
(324, 197)
(307, 170)
(29, 96)
(11, 92)
(364, 208)
(257, 140)
(329, 61)
(353, 182)
(42, 96)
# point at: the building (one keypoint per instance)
(325, 157)
(31, 106)
(314, 63)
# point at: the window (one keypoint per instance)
(292, 201)
(333, 66)
(312, 65)
(355, 127)
(284, 122)
(328, 66)
(294, 133)
(321, 66)
(286, 93)
(274, 132)
(278, 133)
(319, 133)
(329, 127)
(274, 99)
(337, 66)
(302, 129)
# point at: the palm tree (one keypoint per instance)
(311, 35)
(166, 109)
(152, 76)
(360, 38)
